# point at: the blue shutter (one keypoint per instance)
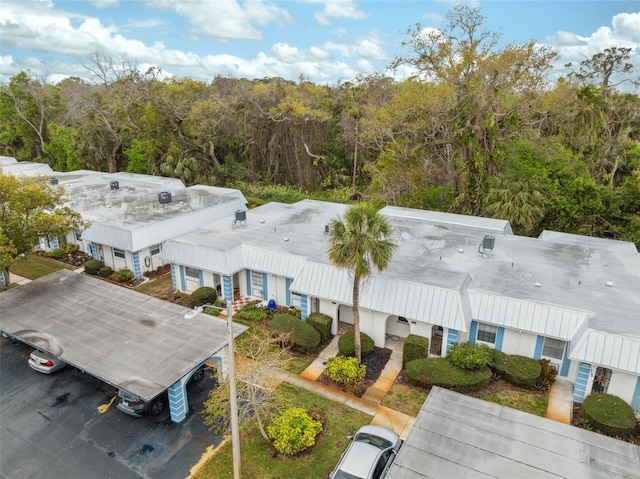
(473, 331)
(287, 288)
(200, 278)
(265, 286)
(499, 338)
(580, 389)
(248, 271)
(566, 362)
(452, 338)
(635, 399)
(136, 265)
(183, 280)
(304, 307)
(537, 354)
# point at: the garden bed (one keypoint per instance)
(375, 361)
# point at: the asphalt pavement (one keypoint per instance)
(51, 427)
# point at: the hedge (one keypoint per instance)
(105, 271)
(440, 372)
(347, 347)
(522, 371)
(93, 266)
(204, 295)
(468, 355)
(415, 347)
(609, 414)
(301, 334)
(321, 323)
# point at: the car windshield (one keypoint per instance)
(376, 441)
(345, 475)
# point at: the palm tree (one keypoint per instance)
(359, 241)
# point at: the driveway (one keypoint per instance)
(51, 427)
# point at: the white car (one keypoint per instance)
(370, 454)
(44, 362)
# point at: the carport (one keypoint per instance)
(129, 340)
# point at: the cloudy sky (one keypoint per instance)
(325, 41)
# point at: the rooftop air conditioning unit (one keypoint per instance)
(54, 180)
(114, 185)
(164, 198)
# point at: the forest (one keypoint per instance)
(480, 129)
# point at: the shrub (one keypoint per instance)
(294, 431)
(105, 271)
(322, 324)
(346, 370)
(301, 334)
(415, 347)
(204, 295)
(252, 313)
(522, 371)
(468, 355)
(547, 375)
(498, 363)
(123, 275)
(347, 347)
(56, 253)
(93, 266)
(440, 372)
(609, 414)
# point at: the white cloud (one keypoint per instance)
(150, 23)
(104, 3)
(370, 50)
(224, 20)
(337, 9)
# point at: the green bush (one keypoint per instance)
(322, 324)
(251, 312)
(56, 253)
(415, 347)
(609, 414)
(204, 295)
(347, 347)
(123, 275)
(301, 334)
(346, 370)
(468, 355)
(547, 375)
(294, 431)
(62, 251)
(440, 372)
(522, 371)
(105, 271)
(93, 266)
(498, 363)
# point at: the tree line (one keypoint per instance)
(478, 129)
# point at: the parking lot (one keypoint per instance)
(52, 427)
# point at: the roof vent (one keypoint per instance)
(326, 229)
(54, 180)
(486, 247)
(609, 284)
(164, 198)
(240, 217)
(114, 185)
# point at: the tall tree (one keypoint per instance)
(30, 208)
(359, 241)
(489, 98)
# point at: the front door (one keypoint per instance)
(436, 340)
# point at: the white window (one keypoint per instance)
(192, 272)
(155, 250)
(553, 348)
(256, 279)
(118, 253)
(486, 333)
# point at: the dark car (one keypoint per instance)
(138, 407)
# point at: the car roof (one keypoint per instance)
(359, 459)
(380, 431)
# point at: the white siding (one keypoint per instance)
(519, 342)
(622, 385)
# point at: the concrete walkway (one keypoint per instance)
(560, 401)
(369, 403)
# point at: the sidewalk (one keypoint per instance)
(560, 401)
(369, 403)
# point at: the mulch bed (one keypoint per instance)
(375, 361)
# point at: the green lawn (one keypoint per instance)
(33, 266)
(258, 461)
(531, 403)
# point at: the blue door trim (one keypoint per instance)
(287, 288)
(635, 399)
(452, 338)
(582, 379)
